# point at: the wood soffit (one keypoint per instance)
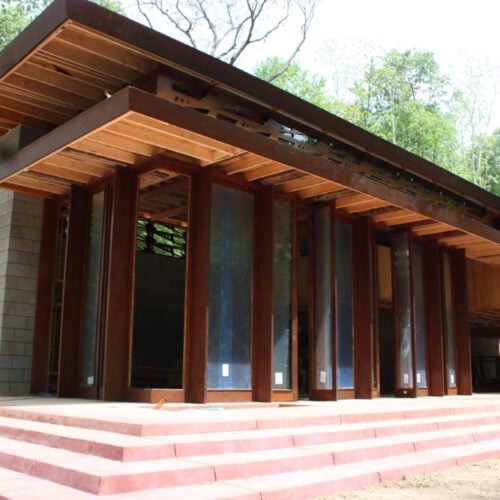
(69, 74)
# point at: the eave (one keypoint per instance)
(133, 126)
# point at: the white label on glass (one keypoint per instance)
(90, 380)
(418, 378)
(278, 378)
(406, 378)
(322, 377)
(225, 369)
(452, 379)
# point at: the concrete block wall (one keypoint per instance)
(20, 231)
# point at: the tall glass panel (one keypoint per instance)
(160, 281)
(230, 292)
(88, 361)
(345, 348)
(418, 292)
(404, 375)
(448, 316)
(282, 294)
(323, 377)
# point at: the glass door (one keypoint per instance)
(94, 303)
(322, 347)
(409, 316)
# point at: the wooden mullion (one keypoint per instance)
(363, 308)
(434, 319)
(198, 265)
(461, 317)
(263, 296)
(119, 292)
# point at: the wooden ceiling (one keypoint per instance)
(69, 79)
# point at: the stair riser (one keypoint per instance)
(101, 485)
(171, 429)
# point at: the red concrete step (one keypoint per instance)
(143, 421)
(102, 476)
(270, 485)
(131, 448)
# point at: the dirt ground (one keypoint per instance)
(465, 482)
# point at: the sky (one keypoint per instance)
(455, 31)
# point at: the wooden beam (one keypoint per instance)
(263, 293)
(461, 313)
(363, 313)
(433, 319)
(196, 359)
(119, 300)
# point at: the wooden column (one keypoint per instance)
(461, 313)
(262, 347)
(433, 319)
(119, 298)
(45, 292)
(72, 292)
(363, 308)
(196, 358)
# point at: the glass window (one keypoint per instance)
(418, 290)
(323, 377)
(91, 311)
(160, 280)
(404, 348)
(230, 289)
(282, 293)
(345, 347)
(448, 320)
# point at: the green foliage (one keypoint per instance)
(15, 15)
(400, 98)
(297, 81)
(161, 238)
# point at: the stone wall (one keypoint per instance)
(20, 230)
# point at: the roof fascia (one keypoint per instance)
(220, 74)
(134, 100)
(81, 125)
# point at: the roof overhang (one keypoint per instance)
(57, 73)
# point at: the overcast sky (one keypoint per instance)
(453, 30)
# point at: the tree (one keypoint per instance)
(473, 104)
(226, 29)
(297, 81)
(402, 97)
(15, 15)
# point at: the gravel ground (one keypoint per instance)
(465, 482)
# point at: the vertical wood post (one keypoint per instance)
(72, 292)
(434, 319)
(119, 300)
(461, 312)
(363, 308)
(196, 358)
(263, 292)
(46, 276)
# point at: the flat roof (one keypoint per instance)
(58, 74)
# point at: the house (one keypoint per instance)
(173, 227)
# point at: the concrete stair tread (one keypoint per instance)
(117, 446)
(142, 420)
(287, 485)
(88, 441)
(327, 480)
